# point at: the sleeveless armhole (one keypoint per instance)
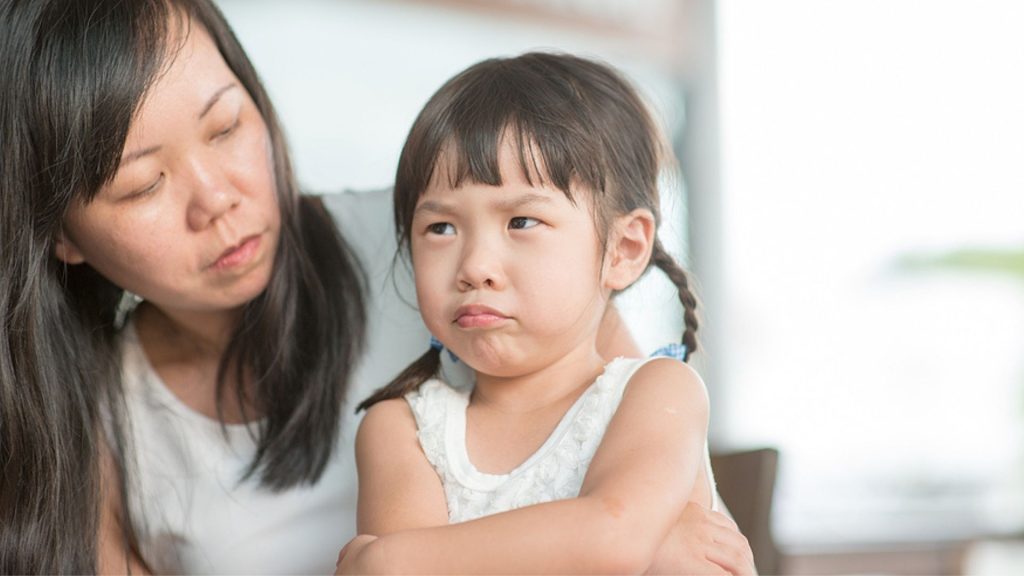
(428, 405)
(708, 472)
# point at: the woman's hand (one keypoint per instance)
(351, 556)
(704, 542)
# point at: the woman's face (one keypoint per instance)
(190, 221)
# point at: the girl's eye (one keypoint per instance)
(441, 228)
(522, 223)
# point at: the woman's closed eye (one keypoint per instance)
(146, 190)
(227, 130)
(441, 229)
(522, 223)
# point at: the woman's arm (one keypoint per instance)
(634, 492)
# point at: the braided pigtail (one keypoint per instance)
(424, 368)
(675, 273)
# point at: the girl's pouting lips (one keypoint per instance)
(477, 316)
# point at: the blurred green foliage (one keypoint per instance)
(1005, 262)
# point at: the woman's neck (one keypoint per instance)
(194, 334)
(187, 351)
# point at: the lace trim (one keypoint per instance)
(555, 471)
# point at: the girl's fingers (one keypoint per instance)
(732, 563)
(722, 520)
(341, 554)
(731, 551)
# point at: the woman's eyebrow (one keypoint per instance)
(129, 158)
(216, 96)
(133, 156)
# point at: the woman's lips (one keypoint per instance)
(238, 255)
(478, 316)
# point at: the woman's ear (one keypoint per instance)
(66, 250)
(629, 248)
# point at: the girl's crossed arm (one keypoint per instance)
(635, 489)
(398, 488)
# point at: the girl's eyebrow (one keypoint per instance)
(503, 205)
(516, 203)
(434, 207)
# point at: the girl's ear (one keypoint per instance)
(629, 248)
(66, 250)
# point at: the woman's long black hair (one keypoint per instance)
(72, 75)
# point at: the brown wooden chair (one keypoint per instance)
(746, 483)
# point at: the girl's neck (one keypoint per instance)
(567, 376)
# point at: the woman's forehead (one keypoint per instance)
(193, 73)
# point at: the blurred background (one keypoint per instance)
(849, 197)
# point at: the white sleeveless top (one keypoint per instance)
(554, 472)
(192, 513)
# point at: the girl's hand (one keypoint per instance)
(350, 557)
(704, 542)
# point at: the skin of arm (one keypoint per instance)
(702, 541)
(635, 491)
(398, 488)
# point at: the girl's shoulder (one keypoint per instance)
(384, 422)
(425, 404)
(653, 371)
(435, 394)
(663, 379)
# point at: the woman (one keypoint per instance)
(203, 430)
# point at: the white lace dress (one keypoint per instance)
(554, 472)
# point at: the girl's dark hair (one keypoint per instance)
(575, 122)
(72, 75)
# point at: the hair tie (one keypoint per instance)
(673, 350)
(436, 344)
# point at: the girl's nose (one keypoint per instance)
(480, 268)
(212, 193)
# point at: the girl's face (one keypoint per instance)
(190, 222)
(507, 277)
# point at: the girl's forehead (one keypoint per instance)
(510, 161)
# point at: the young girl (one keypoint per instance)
(527, 196)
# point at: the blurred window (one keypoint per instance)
(873, 193)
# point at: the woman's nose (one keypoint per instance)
(211, 194)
